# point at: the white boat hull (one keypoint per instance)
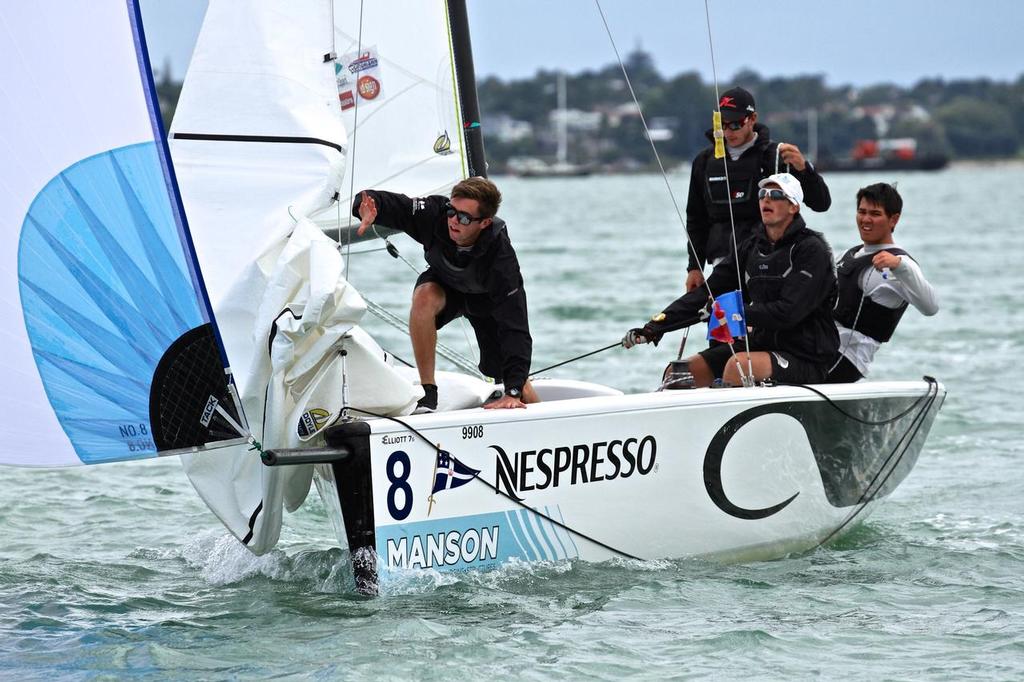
(730, 474)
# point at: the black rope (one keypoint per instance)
(404, 362)
(578, 357)
(541, 514)
(902, 445)
(931, 381)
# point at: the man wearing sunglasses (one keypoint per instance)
(789, 287)
(473, 271)
(751, 156)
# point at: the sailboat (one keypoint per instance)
(140, 268)
(561, 167)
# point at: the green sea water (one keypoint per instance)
(119, 570)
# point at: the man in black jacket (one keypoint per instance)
(789, 286)
(751, 157)
(473, 272)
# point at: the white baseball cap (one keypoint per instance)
(789, 185)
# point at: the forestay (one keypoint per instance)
(109, 351)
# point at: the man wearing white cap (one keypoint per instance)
(789, 287)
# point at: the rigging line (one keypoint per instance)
(728, 192)
(867, 496)
(352, 148)
(578, 357)
(401, 360)
(930, 380)
(393, 250)
(463, 324)
(643, 122)
(664, 175)
(849, 339)
(453, 356)
(520, 503)
(915, 426)
(862, 503)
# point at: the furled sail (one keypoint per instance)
(257, 140)
(110, 350)
(259, 145)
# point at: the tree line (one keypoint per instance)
(963, 118)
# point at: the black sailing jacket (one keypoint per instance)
(707, 206)
(789, 288)
(488, 276)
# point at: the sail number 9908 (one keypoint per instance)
(472, 432)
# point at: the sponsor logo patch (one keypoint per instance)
(365, 61)
(443, 144)
(368, 87)
(312, 421)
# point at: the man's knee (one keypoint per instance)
(735, 369)
(742, 365)
(428, 298)
(703, 375)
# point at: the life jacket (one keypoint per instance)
(465, 272)
(856, 311)
(766, 267)
(744, 174)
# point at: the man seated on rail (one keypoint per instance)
(877, 281)
(788, 284)
(473, 271)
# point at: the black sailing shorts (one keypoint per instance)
(484, 326)
(786, 368)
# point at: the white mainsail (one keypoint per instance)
(405, 124)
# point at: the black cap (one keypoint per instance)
(736, 104)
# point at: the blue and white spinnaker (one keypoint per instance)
(110, 351)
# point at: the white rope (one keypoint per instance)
(746, 379)
(664, 175)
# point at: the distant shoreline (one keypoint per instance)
(987, 162)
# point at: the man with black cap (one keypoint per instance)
(788, 286)
(751, 156)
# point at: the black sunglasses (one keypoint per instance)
(773, 194)
(735, 125)
(463, 217)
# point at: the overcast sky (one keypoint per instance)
(860, 42)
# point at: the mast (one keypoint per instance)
(465, 78)
(563, 122)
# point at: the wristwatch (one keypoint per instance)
(514, 392)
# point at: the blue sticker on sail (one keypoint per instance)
(106, 290)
